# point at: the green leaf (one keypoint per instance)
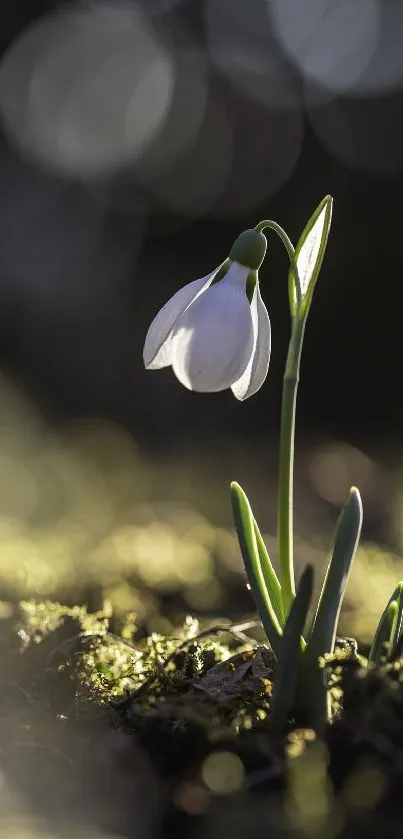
(397, 626)
(312, 691)
(348, 528)
(308, 257)
(270, 577)
(288, 660)
(245, 526)
(389, 628)
(384, 633)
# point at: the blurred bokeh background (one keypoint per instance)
(138, 138)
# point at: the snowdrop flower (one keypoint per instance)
(215, 332)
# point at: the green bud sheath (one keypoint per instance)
(250, 284)
(249, 249)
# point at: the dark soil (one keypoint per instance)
(105, 737)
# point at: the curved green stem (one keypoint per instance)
(292, 287)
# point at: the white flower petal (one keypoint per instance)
(236, 276)
(253, 377)
(157, 345)
(213, 340)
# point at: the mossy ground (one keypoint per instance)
(138, 739)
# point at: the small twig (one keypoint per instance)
(236, 630)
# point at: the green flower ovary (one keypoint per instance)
(249, 249)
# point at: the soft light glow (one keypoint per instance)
(223, 772)
(85, 91)
(330, 43)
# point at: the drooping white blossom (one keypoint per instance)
(214, 332)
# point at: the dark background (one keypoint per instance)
(114, 481)
(86, 263)
(137, 141)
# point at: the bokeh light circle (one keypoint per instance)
(331, 43)
(85, 91)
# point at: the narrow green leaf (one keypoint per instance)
(324, 627)
(288, 660)
(245, 527)
(308, 257)
(270, 576)
(386, 631)
(397, 626)
(313, 697)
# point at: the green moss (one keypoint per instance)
(184, 696)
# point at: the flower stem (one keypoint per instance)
(293, 288)
(286, 465)
(287, 433)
